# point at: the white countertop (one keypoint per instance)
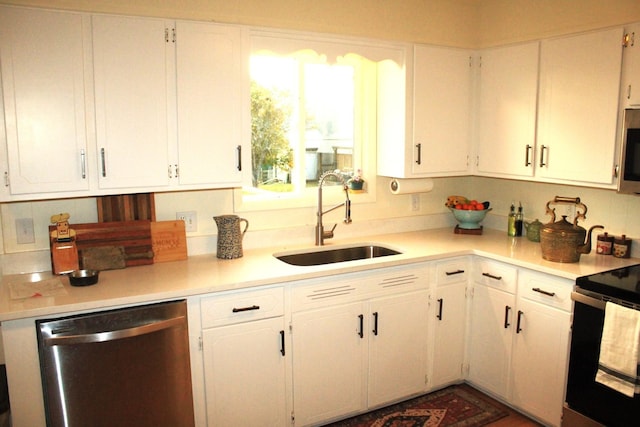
(205, 274)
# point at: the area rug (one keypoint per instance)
(450, 407)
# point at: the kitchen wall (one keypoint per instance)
(463, 23)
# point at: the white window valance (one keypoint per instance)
(284, 43)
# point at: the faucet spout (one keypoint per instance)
(320, 233)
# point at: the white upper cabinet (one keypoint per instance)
(506, 110)
(133, 71)
(42, 54)
(424, 114)
(169, 103)
(210, 76)
(441, 110)
(631, 67)
(578, 108)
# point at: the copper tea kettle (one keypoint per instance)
(562, 241)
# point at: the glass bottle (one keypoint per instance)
(511, 222)
(519, 219)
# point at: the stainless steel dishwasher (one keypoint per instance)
(125, 367)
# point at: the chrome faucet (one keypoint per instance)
(320, 233)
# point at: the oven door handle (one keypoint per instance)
(584, 299)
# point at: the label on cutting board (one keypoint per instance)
(169, 241)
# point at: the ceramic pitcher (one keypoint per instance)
(230, 236)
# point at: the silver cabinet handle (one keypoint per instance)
(103, 162)
(527, 158)
(543, 148)
(115, 335)
(83, 163)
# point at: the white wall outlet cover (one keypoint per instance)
(24, 231)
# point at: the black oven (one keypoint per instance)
(589, 403)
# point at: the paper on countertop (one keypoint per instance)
(42, 288)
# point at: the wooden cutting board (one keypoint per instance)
(169, 241)
(133, 236)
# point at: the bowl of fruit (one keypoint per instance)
(469, 213)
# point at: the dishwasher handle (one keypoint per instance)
(114, 335)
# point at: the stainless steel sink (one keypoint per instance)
(333, 255)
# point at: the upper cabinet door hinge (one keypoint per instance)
(170, 35)
(628, 40)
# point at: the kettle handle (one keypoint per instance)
(570, 201)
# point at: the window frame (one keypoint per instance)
(365, 117)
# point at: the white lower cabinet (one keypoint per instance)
(491, 331)
(329, 363)
(244, 351)
(519, 338)
(449, 319)
(541, 346)
(324, 349)
(358, 342)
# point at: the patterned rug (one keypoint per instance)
(450, 407)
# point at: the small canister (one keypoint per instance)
(604, 244)
(622, 247)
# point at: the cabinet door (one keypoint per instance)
(578, 112)
(397, 347)
(329, 357)
(134, 60)
(442, 108)
(449, 337)
(43, 83)
(540, 360)
(631, 67)
(210, 77)
(244, 369)
(507, 102)
(491, 337)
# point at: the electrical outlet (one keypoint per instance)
(24, 231)
(415, 202)
(190, 220)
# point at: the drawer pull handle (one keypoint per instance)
(375, 323)
(282, 342)
(361, 332)
(440, 303)
(491, 276)
(241, 309)
(518, 328)
(452, 273)
(543, 292)
(506, 316)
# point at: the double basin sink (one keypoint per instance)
(323, 256)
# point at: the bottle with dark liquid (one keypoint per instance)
(518, 221)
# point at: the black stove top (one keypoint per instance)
(621, 283)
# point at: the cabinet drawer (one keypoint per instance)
(545, 289)
(244, 306)
(495, 274)
(452, 271)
